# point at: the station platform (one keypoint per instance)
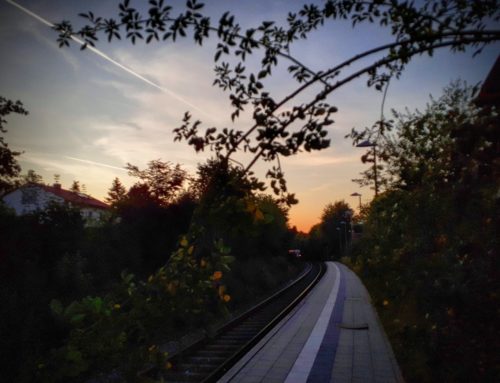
(333, 335)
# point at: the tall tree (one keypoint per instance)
(116, 192)
(284, 126)
(416, 148)
(335, 227)
(218, 179)
(9, 167)
(163, 180)
(32, 177)
(75, 187)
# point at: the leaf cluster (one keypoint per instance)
(9, 167)
(162, 181)
(416, 148)
(117, 333)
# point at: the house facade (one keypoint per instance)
(33, 197)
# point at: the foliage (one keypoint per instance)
(432, 273)
(144, 226)
(330, 238)
(118, 332)
(416, 29)
(415, 147)
(51, 256)
(255, 278)
(282, 127)
(336, 227)
(218, 179)
(150, 229)
(230, 209)
(9, 167)
(75, 187)
(116, 193)
(161, 180)
(32, 177)
(423, 152)
(35, 253)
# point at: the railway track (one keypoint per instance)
(208, 359)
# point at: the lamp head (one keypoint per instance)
(365, 144)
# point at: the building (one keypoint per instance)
(489, 95)
(33, 197)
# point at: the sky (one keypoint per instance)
(92, 112)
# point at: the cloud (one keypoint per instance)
(109, 59)
(97, 176)
(318, 159)
(157, 114)
(154, 140)
(153, 115)
(186, 74)
(133, 125)
(94, 163)
(67, 55)
(32, 26)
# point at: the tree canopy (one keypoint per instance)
(9, 167)
(75, 187)
(116, 192)
(419, 147)
(32, 177)
(161, 180)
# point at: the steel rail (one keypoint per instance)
(219, 372)
(209, 358)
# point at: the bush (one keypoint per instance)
(429, 253)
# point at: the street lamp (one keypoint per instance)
(340, 241)
(344, 223)
(356, 194)
(369, 144)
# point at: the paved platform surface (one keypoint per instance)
(333, 335)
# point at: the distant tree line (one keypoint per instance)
(331, 238)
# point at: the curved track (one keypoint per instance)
(209, 359)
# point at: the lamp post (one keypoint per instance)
(344, 223)
(340, 241)
(356, 194)
(369, 144)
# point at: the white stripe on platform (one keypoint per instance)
(302, 366)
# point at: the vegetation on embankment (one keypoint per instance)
(429, 253)
(78, 302)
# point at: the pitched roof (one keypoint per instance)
(490, 91)
(79, 199)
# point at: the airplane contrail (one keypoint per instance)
(107, 58)
(95, 163)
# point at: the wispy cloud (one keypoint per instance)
(94, 163)
(111, 60)
(311, 160)
(132, 125)
(186, 74)
(67, 55)
(97, 176)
